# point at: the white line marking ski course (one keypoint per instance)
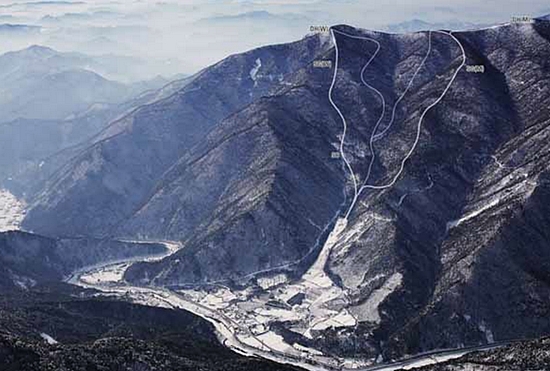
(376, 136)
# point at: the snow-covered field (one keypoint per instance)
(244, 317)
(368, 311)
(48, 339)
(310, 304)
(110, 274)
(12, 211)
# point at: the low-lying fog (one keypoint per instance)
(179, 37)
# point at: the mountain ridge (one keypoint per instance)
(195, 92)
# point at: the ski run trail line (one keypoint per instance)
(375, 135)
(376, 91)
(409, 85)
(424, 113)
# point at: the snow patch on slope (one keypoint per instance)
(516, 184)
(24, 283)
(487, 331)
(48, 338)
(472, 214)
(12, 211)
(254, 71)
(369, 311)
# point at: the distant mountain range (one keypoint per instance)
(254, 16)
(15, 29)
(41, 83)
(420, 25)
(49, 102)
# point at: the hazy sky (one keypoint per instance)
(184, 36)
